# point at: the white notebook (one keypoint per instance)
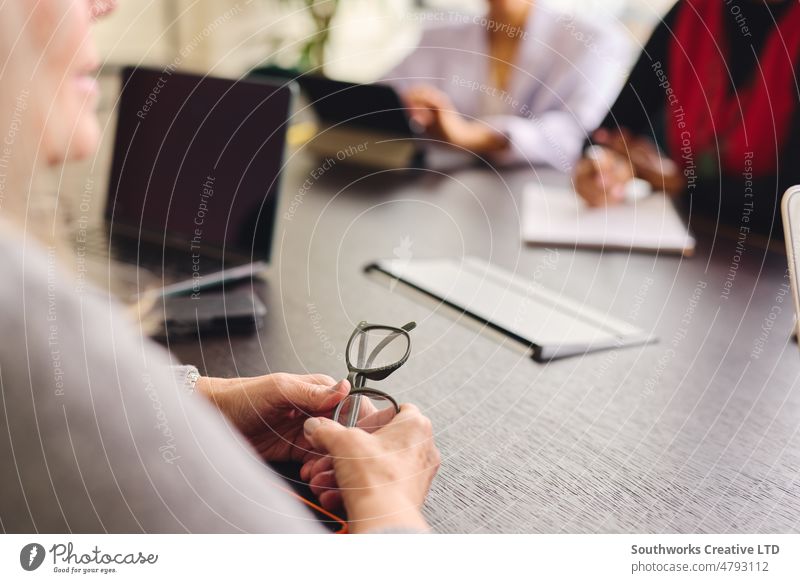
(552, 323)
(558, 216)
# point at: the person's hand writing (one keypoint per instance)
(270, 410)
(383, 477)
(645, 159)
(600, 180)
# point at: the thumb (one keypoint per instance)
(323, 434)
(313, 398)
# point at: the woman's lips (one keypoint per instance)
(87, 84)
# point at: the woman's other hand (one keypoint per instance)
(270, 410)
(434, 112)
(382, 478)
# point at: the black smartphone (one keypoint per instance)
(219, 312)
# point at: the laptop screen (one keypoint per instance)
(376, 107)
(197, 162)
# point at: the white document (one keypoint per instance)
(558, 216)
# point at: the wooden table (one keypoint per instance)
(697, 433)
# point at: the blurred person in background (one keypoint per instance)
(519, 84)
(97, 432)
(711, 111)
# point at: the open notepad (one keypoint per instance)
(557, 216)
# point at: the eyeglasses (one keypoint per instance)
(373, 353)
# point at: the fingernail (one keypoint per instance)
(311, 424)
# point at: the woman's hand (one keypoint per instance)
(620, 156)
(270, 410)
(381, 477)
(645, 159)
(435, 113)
(601, 179)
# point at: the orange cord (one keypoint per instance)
(318, 508)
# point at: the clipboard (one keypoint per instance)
(553, 325)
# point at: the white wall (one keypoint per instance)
(202, 35)
(228, 36)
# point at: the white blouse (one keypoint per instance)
(567, 74)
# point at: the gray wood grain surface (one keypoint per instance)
(697, 433)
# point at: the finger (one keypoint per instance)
(377, 419)
(592, 197)
(417, 97)
(370, 417)
(305, 470)
(585, 184)
(619, 142)
(616, 194)
(314, 398)
(407, 427)
(302, 451)
(421, 116)
(603, 159)
(328, 436)
(323, 482)
(609, 190)
(626, 135)
(614, 140)
(606, 183)
(583, 178)
(331, 500)
(591, 166)
(600, 135)
(318, 379)
(439, 99)
(316, 466)
(596, 201)
(366, 407)
(408, 411)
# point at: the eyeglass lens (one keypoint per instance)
(377, 348)
(368, 412)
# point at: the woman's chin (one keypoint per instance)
(81, 145)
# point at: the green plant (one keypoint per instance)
(321, 12)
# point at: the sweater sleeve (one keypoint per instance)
(96, 435)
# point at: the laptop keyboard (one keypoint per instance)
(166, 262)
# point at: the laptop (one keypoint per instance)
(790, 211)
(360, 124)
(194, 181)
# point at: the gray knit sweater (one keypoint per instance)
(96, 435)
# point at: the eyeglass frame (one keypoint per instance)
(357, 376)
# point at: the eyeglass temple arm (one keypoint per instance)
(362, 348)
